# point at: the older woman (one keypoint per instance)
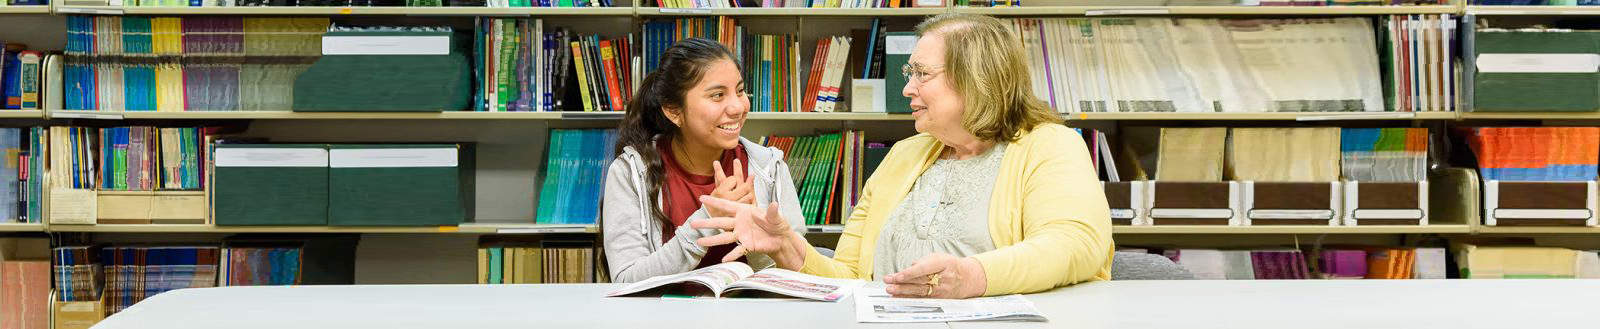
(993, 197)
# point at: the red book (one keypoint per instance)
(608, 57)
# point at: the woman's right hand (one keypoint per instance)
(754, 230)
(737, 187)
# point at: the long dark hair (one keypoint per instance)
(680, 68)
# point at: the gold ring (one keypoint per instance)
(930, 291)
(934, 281)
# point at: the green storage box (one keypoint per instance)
(270, 184)
(398, 184)
(352, 76)
(1521, 71)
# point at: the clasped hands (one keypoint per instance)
(763, 230)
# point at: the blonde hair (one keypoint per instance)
(985, 64)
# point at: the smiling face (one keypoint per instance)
(934, 102)
(713, 111)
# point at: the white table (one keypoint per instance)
(1452, 304)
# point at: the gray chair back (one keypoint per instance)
(1143, 266)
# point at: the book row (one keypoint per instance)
(792, 3)
(139, 63)
(1268, 3)
(1238, 65)
(1460, 261)
(524, 261)
(1323, 154)
(1392, 63)
(120, 276)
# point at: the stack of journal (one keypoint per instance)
(1191, 154)
(135, 273)
(1203, 64)
(576, 162)
(138, 63)
(1384, 154)
(1536, 153)
(1284, 154)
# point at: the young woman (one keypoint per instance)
(679, 141)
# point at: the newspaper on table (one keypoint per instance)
(873, 304)
(736, 280)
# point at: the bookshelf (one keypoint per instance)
(781, 116)
(21, 114)
(289, 115)
(1264, 116)
(14, 10)
(523, 228)
(821, 12)
(1207, 10)
(471, 228)
(1530, 115)
(513, 146)
(1518, 230)
(198, 228)
(21, 227)
(334, 11)
(1532, 10)
(1381, 229)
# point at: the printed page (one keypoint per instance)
(873, 304)
(795, 284)
(717, 278)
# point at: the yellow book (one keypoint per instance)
(483, 266)
(536, 257)
(1481, 262)
(1284, 154)
(1191, 154)
(521, 275)
(583, 77)
(508, 266)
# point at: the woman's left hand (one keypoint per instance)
(939, 276)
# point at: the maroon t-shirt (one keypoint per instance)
(681, 191)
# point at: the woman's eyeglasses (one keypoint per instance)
(918, 73)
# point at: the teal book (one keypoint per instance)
(897, 52)
(395, 185)
(36, 172)
(496, 259)
(552, 176)
(569, 170)
(271, 184)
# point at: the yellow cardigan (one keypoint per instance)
(1048, 215)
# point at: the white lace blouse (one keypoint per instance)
(947, 211)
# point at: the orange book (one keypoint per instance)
(1380, 263)
(1407, 269)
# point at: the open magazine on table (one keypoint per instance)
(873, 304)
(734, 279)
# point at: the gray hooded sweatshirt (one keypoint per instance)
(633, 247)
